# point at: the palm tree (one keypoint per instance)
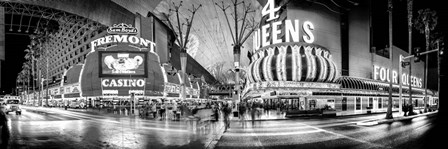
(26, 68)
(426, 22)
(30, 57)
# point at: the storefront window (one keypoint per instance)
(380, 101)
(330, 104)
(344, 104)
(396, 103)
(358, 103)
(385, 102)
(312, 104)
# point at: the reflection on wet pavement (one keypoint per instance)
(66, 129)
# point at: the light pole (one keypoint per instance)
(42, 86)
(402, 63)
(389, 107)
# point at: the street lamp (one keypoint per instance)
(417, 57)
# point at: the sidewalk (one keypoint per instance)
(396, 117)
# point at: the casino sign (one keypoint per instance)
(122, 63)
(286, 62)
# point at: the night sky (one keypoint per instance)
(16, 43)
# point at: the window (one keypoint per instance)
(344, 103)
(396, 103)
(358, 103)
(330, 104)
(380, 100)
(312, 104)
(385, 102)
(370, 102)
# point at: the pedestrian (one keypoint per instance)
(405, 109)
(5, 129)
(226, 110)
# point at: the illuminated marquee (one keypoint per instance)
(382, 74)
(291, 84)
(123, 82)
(291, 29)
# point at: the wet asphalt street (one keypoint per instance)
(58, 128)
(330, 133)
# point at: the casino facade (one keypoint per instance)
(317, 58)
(120, 63)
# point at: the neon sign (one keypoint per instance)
(291, 29)
(122, 33)
(382, 74)
(123, 82)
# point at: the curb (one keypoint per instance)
(382, 121)
(215, 140)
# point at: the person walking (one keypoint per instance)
(242, 112)
(226, 110)
(5, 129)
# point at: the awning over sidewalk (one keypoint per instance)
(348, 82)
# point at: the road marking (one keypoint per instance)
(101, 121)
(350, 138)
(423, 126)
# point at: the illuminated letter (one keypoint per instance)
(105, 83)
(101, 41)
(275, 32)
(108, 39)
(307, 27)
(291, 31)
(270, 9)
(420, 84)
(403, 79)
(93, 44)
(120, 83)
(264, 35)
(112, 83)
(255, 39)
(375, 72)
(132, 83)
(140, 83)
(125, 83)
(144, 42)
(394, 77)
(120, 38)
(133, 39)
(382, 74)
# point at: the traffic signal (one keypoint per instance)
(65, 79)
(404, 64)
(417, 56)
(53, 79)
(441, 48)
